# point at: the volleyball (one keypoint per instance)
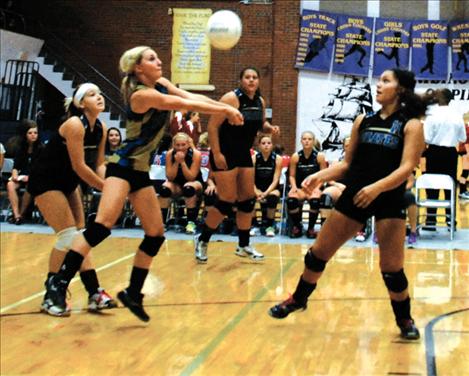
(224, 29)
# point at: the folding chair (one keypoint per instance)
(6, 173)
(283, 182)
(436, 181)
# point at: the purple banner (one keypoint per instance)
(353, 45)
(430, 50)
(392, 45)
(316, 41)
(459, 34)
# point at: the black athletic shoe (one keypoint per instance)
(408, 329)
(282, 310)
(135, 306)
(296, 232)
(311, 234)
(56, 292)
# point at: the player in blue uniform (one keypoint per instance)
(385, 147)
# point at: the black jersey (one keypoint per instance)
(180, 178)
(24, 160)
(236, 140)
(264, 171)
(306, 166)
(91, 141)
(53, 162)
(379, 150)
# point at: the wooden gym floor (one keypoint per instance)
(212, 319)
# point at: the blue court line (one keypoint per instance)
(430, 343)
(205, 353)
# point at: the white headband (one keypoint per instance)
(81, 92)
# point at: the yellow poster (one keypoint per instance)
(190, 63)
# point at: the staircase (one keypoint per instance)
(59, 64)
(66, 83)
(59, 71)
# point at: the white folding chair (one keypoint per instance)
(283, 181)
(157, 172)
(436, 181)
(7, 165)
(5, 175)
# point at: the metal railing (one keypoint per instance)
(65, 59)
(18, 90)
(57, 52)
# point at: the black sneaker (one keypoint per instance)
(296, 232)
(135, 306)
(56, 292)
(282, 310)
(311, 234)
(408, 329)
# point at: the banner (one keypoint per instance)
(459, 34)
(392, 45)
(430, 50)
(190, 63)
(316, 41)
(353, 45)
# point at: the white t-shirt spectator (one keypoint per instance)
(444, 127)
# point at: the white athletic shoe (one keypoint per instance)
(270, 232)
(254, 231)
(464, 195)
(250, 252)
(200, 250)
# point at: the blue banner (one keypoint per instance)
(459, 34)
(430, 50)
(353, 45)
(316, 41)
(392, 45)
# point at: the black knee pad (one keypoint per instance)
(292, 204)
(151, 245)
(165, 192)
(188, 191)
(313, 263)
(271, 201)
(246, 206)
(326, 201)
(224, 207)
(409, 198)
(95, 233)
(395, 281)
(465, 174)
(209, 199)
(314, 204)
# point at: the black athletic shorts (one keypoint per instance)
(136, 179)
(39, 184)
(387, 205)
(242, 159)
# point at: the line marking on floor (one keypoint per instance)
(205, 353)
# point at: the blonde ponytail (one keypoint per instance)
(127, 64)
